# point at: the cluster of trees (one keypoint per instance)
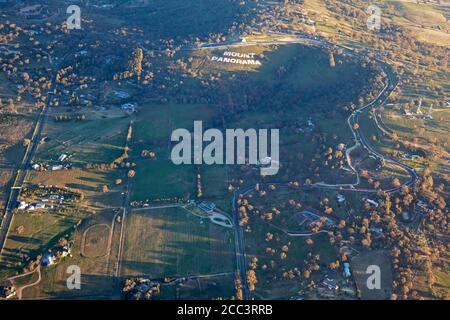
(9, 107)
(199, 186)
(238, 286)
(135, 67)
(140, 289)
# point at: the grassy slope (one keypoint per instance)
(172, 242)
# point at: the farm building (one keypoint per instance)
(207, 207)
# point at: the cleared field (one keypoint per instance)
(97, 280)
(173, 243)
(218, 287)
(95, 240)
(95, 140)
(87, 182)
(160, 178)
(359, 266)
(432, 36)
(43, 230)
(422, 14)
(39, 232)
(13, 130)
(215, 183)
(428, 21)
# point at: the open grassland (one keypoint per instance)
(40, 231)
(92, 252)
(421, 14)
(359, 265)
(94, 140)
(96, 240)
(173, 243)
(13, 130)
(429, 22)
(87, 182)
(43, 230)
(159, 178)
(156, 122)
(215, 287)
(214, 185)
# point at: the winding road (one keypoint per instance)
(358, 134)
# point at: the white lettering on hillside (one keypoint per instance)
(237, 58)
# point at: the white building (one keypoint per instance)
(22, 205)
(127, 107)
(374, 203)
(340, 198)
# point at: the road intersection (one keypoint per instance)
(358, 134)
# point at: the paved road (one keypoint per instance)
(125, 208)
(21, 173)
(358, 135)
(361, 140)
(239, 237)
(239, 243)
(12, 201)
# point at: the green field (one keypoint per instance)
(160, 178)
(173, 243)
(40, 232)
(95, 140)
(43, 230)
(421, 14)
(94, 259)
